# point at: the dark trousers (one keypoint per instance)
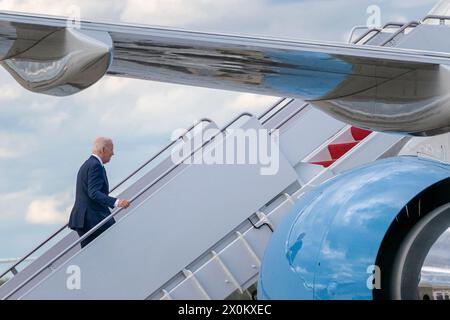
(94, 235)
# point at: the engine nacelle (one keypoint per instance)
(57, 61)
(332, 242)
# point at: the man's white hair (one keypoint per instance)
(100, 143)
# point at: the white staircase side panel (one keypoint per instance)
(419, 38)
(217, 282)
(436, 147)
(306, 133)
(190, 290)
(41, 261)
(379, 38)
(240, 262)
(371, 148)
(167, 231)
(274, 217)
(307, 171)
(238, 259)
(322, 153)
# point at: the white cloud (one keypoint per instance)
(64, 7)
(8, 92)
(49, 210)
(331, 253)
(10, 202)
(166, 12)
(252, 103)
(15, 145)
(299, 19)
(151, 108)
(295, 19)
(415, 3)
(6, 154)
(108, 86)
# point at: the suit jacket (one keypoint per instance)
(92, 202)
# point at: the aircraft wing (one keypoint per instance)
(55, 56)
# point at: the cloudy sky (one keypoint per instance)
(43, 139)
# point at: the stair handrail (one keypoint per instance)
(271, 108)
(109, 217)
(276, 112)
(286, 120)
(365, 34)
(402, 29)
(161, 151)
(13, 269)
(436, 17)
(393, 24)
(377, 31)
(352, 32)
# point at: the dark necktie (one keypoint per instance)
(106, 177)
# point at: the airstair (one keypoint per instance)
(196, 230)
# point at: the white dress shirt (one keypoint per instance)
(101, 162)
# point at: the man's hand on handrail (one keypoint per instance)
(123, 203)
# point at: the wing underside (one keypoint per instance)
(303, 69)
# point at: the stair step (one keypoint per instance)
(337, 150)
(359, 134)
(325, 163)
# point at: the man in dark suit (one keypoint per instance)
(92, 202)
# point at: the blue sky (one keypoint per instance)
(43, 139)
